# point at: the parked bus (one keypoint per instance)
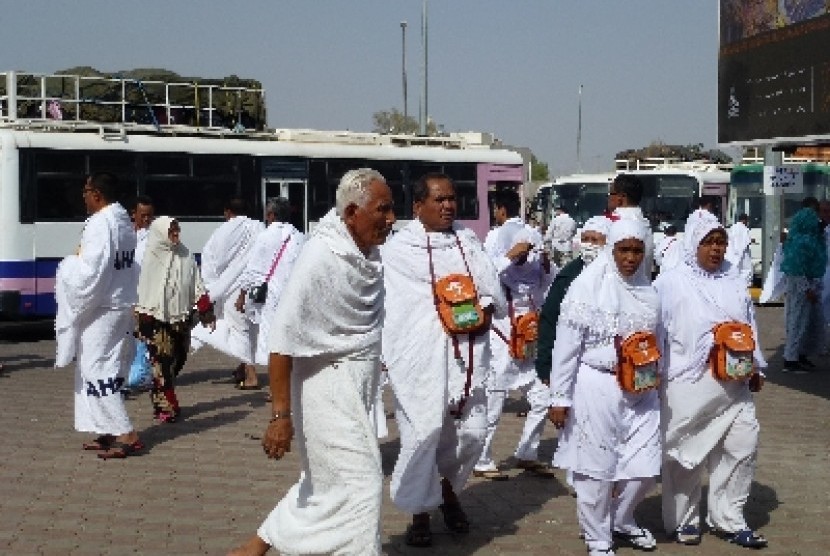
(190, 172)
(581, 195)
(746, 196)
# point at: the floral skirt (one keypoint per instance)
(167, 345)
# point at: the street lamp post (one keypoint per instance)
(403, 70)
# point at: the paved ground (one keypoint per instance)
(204, 485)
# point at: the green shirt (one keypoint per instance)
(550, 314)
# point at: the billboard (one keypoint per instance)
(774, 71)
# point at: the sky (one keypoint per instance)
(513, 68)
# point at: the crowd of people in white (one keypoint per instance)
(641, 378)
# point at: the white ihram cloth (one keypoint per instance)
(224, 258)
(609, 434)
(329, 321)
(264, 253)
(527, 285)
(611, 437)
(775, 284)
(170, 283)
(738, 253)
(96, 291)
(705, 422)
(425, 376)
(668, 253)
(141, 236)
(561, 232)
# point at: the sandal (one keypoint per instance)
(746, 538)
(418, 533)
(121, 450)
(101, 443)
(454, 517)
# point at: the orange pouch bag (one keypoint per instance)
(457, 302)
(525, 333)
(637, 367)
(731, 357)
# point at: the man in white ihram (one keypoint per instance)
(223, 260)
(437, 376)
(737, 251)
(525, 278)
(272, 257)
(324, 366)
(96, 290)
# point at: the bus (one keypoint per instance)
(746, 196)
(581, 195)
(190, 172)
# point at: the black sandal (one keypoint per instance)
(454, 518)
(419, 534)
(121, 450)
(101, 443)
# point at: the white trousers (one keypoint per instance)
(106, 347)
(538, 395)
(450, 452)
(335, 506)
(731, 466)
(600, 513)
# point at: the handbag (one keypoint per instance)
(637, 362)
(259, 294)
(141, 372)
(732, 352)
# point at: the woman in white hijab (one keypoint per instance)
(169, 287)
(707, 422)
(610, 440)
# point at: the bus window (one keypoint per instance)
(466, 200)
(190, 199)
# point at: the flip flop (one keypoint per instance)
(121, 450)
(101, 443)
(243, 386)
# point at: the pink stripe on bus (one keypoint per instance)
(25, 286)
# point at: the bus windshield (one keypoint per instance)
(668, 199)
(581, 200)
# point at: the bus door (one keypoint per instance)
(296, 191)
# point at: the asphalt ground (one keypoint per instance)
(204, 484)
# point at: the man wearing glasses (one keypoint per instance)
(96, 290)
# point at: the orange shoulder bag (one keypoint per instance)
(524, 331)
(731, 357)
(637, 362)
(456, 299)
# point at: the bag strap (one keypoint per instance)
(432, 269)
(277, 258)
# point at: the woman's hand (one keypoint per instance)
(558, 416)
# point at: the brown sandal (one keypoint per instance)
(101, 443)
(121, 450)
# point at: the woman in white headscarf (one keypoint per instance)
(169, 289)
(707, 422)
(610, 439)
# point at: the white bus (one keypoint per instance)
(581, 195)
(190, 172)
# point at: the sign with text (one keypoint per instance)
(783, 179)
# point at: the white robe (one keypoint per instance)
(738, 251)
(329, 321)
(96, 291)
(267, 247)
(224, 259)
(423, 372)
(669, 253)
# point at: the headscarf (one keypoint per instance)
(700, 224)
(600, 224)
(804, 251)
(603, 302)
(169, 281)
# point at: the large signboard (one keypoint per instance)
(774, 71)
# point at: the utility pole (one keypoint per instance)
(424, 102)
(403, 69)
(579, 135)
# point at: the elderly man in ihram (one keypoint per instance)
(223, 261)
(96, 291)
(441, 290)
(324, 364)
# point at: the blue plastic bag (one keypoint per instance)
(141, 373)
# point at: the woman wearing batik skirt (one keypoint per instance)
(169, 288)
(610, 428)
(709, 367)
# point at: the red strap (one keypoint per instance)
(277, 259)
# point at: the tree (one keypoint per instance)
(393, 121)
(539, 171)
(684, 153)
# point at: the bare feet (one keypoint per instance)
(253, 547)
